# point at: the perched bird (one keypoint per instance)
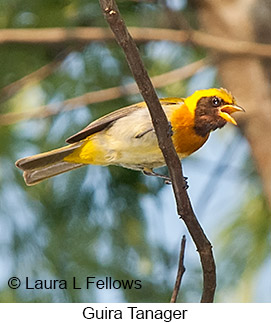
(126, 137)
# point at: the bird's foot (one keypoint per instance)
(170, 130)
(186, 186)
(150, 172)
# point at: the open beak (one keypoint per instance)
(226, 111)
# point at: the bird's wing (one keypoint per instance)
(168, 104)
(107, 120)
(103, 122)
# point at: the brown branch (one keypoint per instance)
(162, 130)
(180, 272)
(83, 35)
(101, 95)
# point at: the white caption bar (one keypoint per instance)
(148, 312)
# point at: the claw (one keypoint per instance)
(170, 130)
(150, 172)
(168, 182)
(186, 186)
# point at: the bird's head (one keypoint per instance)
(212, 109)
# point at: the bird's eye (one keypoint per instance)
(216, 102)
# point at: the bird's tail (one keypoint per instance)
(42, 166)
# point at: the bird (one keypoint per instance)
(126, 136)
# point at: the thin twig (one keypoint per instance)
(180, 272)
(83, 35)
(162, 130)
(102, 95)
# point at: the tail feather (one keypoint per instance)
(35, 176)
(42, 166)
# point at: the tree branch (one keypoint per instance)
(161, 127)
(83, 35)
(180, 272)
(100, 96)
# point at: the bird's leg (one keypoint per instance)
(150, 172)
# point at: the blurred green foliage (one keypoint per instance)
(92, 221)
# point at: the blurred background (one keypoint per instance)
(102, 222)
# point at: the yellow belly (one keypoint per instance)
(101, 149)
